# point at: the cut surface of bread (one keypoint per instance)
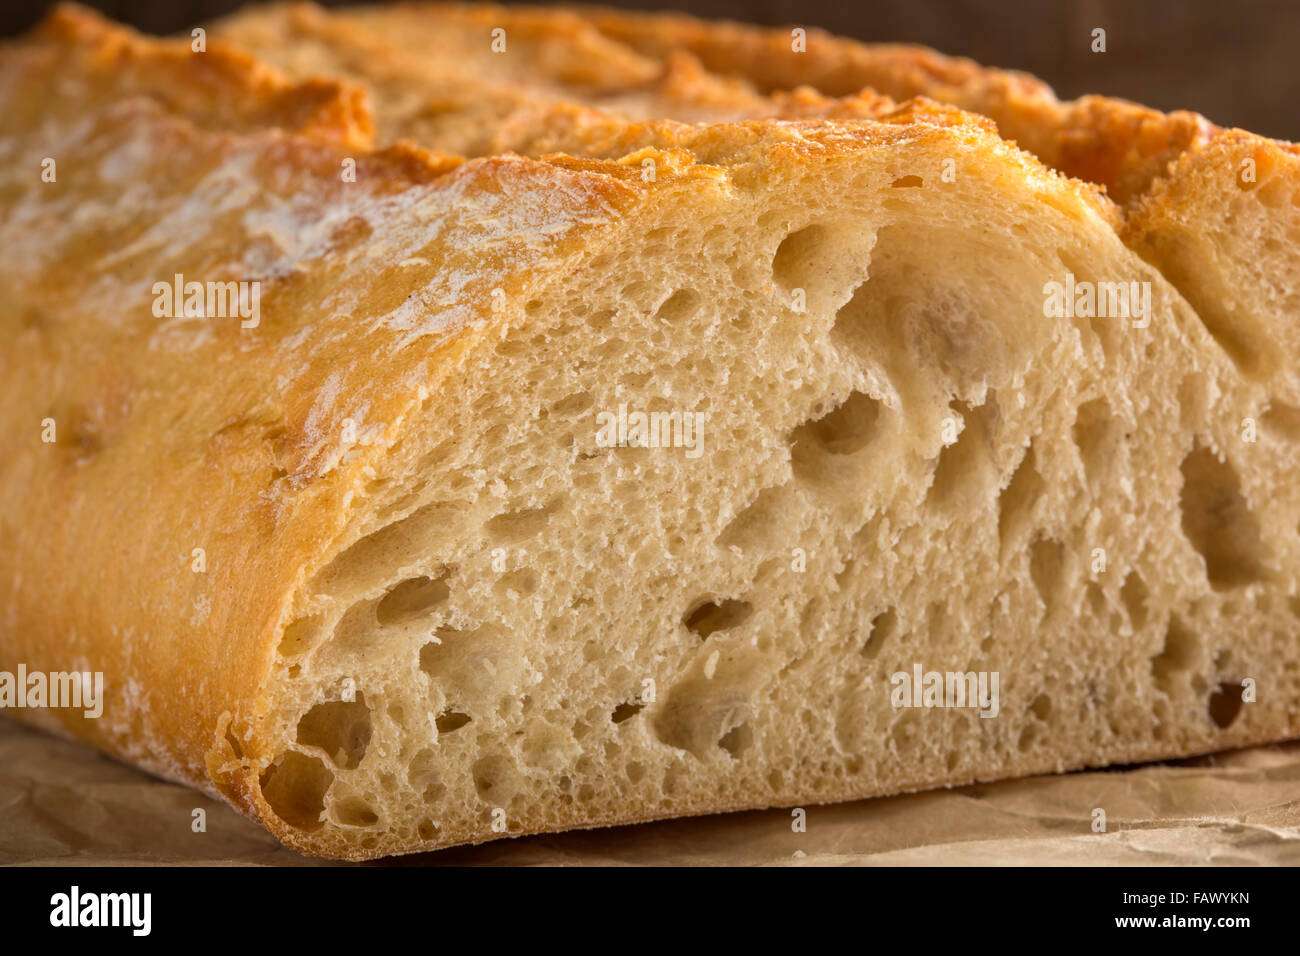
(442, 600)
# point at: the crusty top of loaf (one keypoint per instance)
(1119, 145)
(643, 66)
(1112, 142)
(225, 87)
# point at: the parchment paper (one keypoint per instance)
(64, 803)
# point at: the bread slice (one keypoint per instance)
(430, 602)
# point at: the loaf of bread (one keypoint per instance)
(760, 463)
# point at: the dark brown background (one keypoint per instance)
(1234, 60)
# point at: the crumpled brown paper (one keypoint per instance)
(63, 803)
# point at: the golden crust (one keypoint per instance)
(546, 47)
(771, 60)
(1200, 176)
(1119, 145)
(468, 105)
(220, 87)
(550, 56)
(653, 66)
(1123, 146)
(669, 66)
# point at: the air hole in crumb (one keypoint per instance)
(1160, 715)
(1042, 707)
(679, 306)
(1018, 499)
(480, 665)
(625, 711)
(354, 812)
(396, 506)
(1134, 594)
(760, 523)
(799, 254)
(903, 735)
(521, 583)
(965, 475)
(493, 778)
(340, 728)
(883, 626)
(846, 429)
(412, 598)
(907, 182)
(425, 775)
(80, 434)
(295, 786)
(236, 748)
(1282, 419)
(515, 346)
(1178, 655)
(1047, 567)
(408, 537)
(301, 636)
(450, 721)
(426, 831)
(1099, 438)
(601, 320)
(1096, 598)
(1225, 704)
(572, 406)
(516, 526)
(697, 713)
(1218, 522)
(736, 740)
(710, 617)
